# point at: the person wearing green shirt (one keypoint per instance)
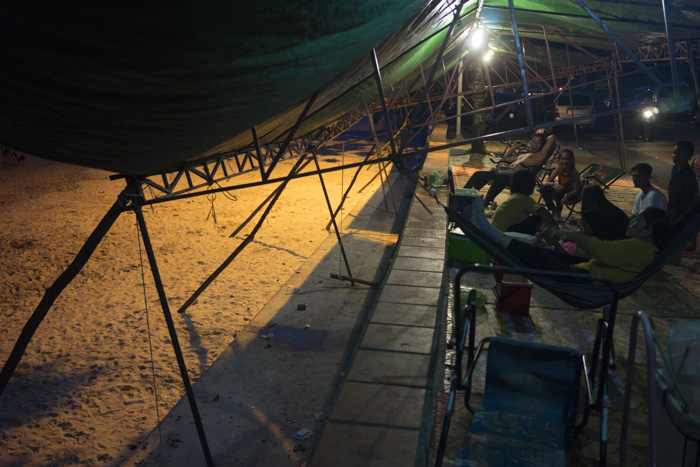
(616, 260)
(519, 212)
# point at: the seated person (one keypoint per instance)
(519, 212)
(539, 149)
(649, 196)
(563, 185)
(601, 218)
(617, 261)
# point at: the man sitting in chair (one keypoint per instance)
(511, 162)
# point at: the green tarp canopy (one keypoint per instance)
(145, 87)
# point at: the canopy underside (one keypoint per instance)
(150, 87)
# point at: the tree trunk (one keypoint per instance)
(475, 72)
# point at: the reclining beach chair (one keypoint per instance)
(524, 148)
(531, 391)
(587, 296)
(542, 172)
(596, 174)
(677, 382)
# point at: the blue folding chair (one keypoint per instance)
(531, 390)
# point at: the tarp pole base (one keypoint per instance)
(335, 225)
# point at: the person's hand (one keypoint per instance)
(558, 187)
(549, 232)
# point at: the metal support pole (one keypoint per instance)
(693, 72)
(460, 76)
(623, 150)
(245, 242)
(256, 184)
(291, 134)
(347, 192)
(52, 293)
(614, 118)
(617, 40)
(335, 225)
(173, 334)
(382, 98)
(647, 329)
(669, 39)
(258, 151)
(549, 57)
(257, 210)
(415, 112)
(521, 61)
(380, 168)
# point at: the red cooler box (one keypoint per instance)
(513, 294)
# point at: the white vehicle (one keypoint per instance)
(574, 105)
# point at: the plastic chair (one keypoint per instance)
(543, 171)
(524, 148)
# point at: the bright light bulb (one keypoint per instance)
(476, 38)
(488, 56)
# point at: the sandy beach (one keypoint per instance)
(83, 393)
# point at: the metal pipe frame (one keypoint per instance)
(647, 329)
(182, 366)
(669, 39)
(521, 61)
(335, 225)
(290, 136)
(619, 42)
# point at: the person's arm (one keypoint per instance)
(551, 178)
(508, 156)
(548, 143)
(581, 240)
(576, 192)
(536, 159)
(546, 216)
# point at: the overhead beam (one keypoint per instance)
(619, 42)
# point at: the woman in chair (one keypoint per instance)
(563, 185)
(617, 260)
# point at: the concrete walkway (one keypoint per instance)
(385, 410)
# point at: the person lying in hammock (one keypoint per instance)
(616, 260)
